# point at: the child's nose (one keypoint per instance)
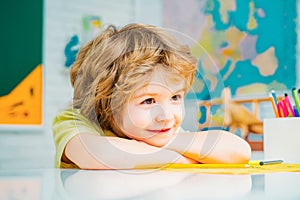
(161, 113)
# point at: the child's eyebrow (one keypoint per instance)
(139, 95)
(144, 94)
(180, 90)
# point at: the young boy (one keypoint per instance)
(129, 88)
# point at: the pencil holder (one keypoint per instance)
(282, 139)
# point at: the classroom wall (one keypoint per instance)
(62, 19)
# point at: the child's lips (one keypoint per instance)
(165, 130)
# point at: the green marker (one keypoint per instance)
(296, 99)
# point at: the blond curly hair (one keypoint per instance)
(108, 69)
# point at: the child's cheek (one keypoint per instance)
(138, 118)
(142, 119)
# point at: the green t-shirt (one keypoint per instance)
(66, 125)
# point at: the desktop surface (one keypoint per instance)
(144, 184)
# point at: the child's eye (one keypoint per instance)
(148, 101)
(176, 97)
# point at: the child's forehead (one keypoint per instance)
(159, 82)
(166, 76)
(157, 88)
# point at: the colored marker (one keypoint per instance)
(296, 99)
(286, 107)
(274, 96)
(280, 112)
(288, 104)
(296, 111)
(274, 105)
(281, 107)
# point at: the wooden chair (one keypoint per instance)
(236, 116)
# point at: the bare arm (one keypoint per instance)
(214, 146)
(90, 151)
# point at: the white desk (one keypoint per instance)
(109, 184)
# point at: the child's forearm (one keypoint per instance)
(96, 152)
(212, 147)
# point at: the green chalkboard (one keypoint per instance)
(20, 41)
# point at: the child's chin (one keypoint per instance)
(161, 142)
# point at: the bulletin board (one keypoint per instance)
(21, 72)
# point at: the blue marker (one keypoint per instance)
(296, 112)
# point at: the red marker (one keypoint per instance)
(288, 104)
(281, 107)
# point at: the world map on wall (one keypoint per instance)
(248, 45)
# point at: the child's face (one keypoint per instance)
(155, 111)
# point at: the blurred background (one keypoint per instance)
(248, 46)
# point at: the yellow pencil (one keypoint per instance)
(192, 166)
(251, 163)
(206, 166)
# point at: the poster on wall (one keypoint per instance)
(21, 71)
(249, 46)
(90, 27)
